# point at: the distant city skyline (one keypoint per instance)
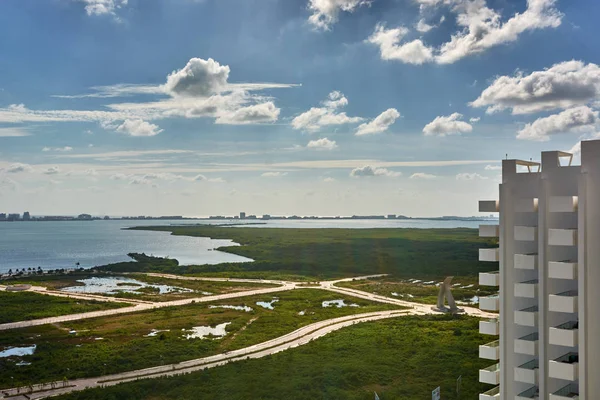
(284, 107)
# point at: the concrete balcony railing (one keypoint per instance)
(526, 261)
(489, 230)
(492, 394)
(565, 302)
(565, 334)
(490, 351)
(565, 367)
(531, 393)
(489, 255)
(527, 316)
(489, 327)
(526, 205)
(528, 344)
(490, 375)
(568, 392)
(562, 237)
(525, 233)
(528, 372)
(563, 203)
(489, 303)
(528, 289)
(489, 206)
(489, 278)
(562, 269)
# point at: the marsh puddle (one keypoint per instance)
(338, 304)
(155, 332)
(17, 351)
(200, 332)
(239, 308)
(114, 285)
(267, 304)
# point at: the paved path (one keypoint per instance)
(294, 339)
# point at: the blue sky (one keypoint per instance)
(330, 107)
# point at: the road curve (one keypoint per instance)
(294, 339)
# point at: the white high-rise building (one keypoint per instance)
(549, 280)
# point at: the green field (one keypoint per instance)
(125, 347)
(403, 358)
(22, 306)
(312, 254)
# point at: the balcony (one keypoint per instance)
(489, 303)
(489, 255)
(526, 205)
(565, 302)
(489, 327)
(527, 316)
(528, 372)
(565, 367)
(568, 392)
(527, 344)
(531, 393)
(492, 394)
(489, 278)
(562, 269)
(525, 233)
(526, 261)
(489, 206)
(528, 289)
(563, 203)
(490, 351)
(562, 237)
(489, 230)
(565, 334)
(490, 375)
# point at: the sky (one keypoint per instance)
(307, 107)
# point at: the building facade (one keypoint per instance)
(548, 279)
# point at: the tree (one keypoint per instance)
(10, 272)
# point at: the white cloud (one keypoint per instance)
(199, 78)
(18, 167)
(493, 167)
(369, 171)
(482, 29)
(380, 124)
(273, 174)
(138, 127)
(318, 117)
(322, 144)
(102, 7)
(52, 171)
(576, 119)
(563, 85)
(391, 48)
(328, 180)
(447, 125)
(63, 149)
(474, 120)
(255, 114)
(14, 132)
(423, 26)
(326, 12)
(422, 175)
(466, 176)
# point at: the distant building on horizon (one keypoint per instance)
(242, 215)
(26, 216)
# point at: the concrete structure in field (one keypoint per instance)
(446, 294)
(549, 279)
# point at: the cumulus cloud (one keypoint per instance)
(474, 119)
(422, 175)
(255, 114)
(369, 171)
(391, 46)
(493, 167)
(328, 179)
(318, 117)
(198, 78)
(322, 144)
(380, 124)
(102, 7)
(52, 171)
(577, 119)
(481, 29)
(18, 167)
(423, 26)
(564, 85)
(326, 12)
(466, 176)
(138, 127)
(447, 125)
(275, 174)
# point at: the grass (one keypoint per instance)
(22, 306)
(124, 346)
(403, 358)
(313, 254)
